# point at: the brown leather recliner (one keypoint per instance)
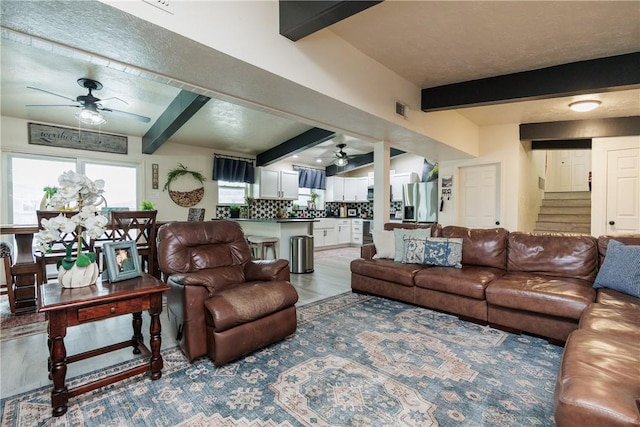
(221, 302)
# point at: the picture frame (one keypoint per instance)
(121, 261)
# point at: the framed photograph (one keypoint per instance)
(121, 260)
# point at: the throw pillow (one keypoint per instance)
(399, 235)
(620, 270)
(438, 251)
(384, 242)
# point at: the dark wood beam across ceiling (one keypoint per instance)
(181, 109)
(299, 143)
(358, 161)
(580, 129)
(620, 72)
(298, 19)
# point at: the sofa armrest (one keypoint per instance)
(267, 270)
(367, 251)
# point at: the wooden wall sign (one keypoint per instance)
(54, 136)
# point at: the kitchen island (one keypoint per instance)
(282, 228)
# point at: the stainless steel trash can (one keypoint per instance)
(301, 251)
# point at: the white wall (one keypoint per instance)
(14, 139)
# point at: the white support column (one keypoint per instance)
(382, 184)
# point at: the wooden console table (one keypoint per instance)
(72, 307)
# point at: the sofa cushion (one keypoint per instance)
(560, 255)
(385, 243)
(555, 296)
(469, 281)
(247, 302)
(487, 247)
(617, 299)
(400, 233)
(620, 270)
(597, 384)
(612, 320)
(437, 251)
(386, 269)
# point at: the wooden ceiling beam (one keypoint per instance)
(298, 143)
(298, 19)
(580, 129)
(181, 109)
(620, 72)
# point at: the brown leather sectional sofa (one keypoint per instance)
(540, 284)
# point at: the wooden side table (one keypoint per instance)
(72, 307)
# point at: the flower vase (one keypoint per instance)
(78, 277)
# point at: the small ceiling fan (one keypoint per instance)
(341, 157)
(90, 106)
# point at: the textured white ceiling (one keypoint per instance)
(427, 42)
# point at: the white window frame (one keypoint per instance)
(232, 186)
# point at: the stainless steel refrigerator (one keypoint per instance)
(420, 202)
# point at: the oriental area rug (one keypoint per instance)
(14, 326)
(354, 361)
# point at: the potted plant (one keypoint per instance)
(248, 200)
(147, 205)
(81, 193)
(311, 205)
(234, 211)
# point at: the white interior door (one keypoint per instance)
(568, 170)
(480, 196)
(623, 191)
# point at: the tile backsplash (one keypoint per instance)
(269, 209)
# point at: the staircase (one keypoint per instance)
(565, 212)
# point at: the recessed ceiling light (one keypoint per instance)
(295, 156)
(584, 106)
(318, 160)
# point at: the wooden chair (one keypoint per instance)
(10, 272)
(59, 247)
(139, 226)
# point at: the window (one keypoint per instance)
(231, 193)
(25, 188)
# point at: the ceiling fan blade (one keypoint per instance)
(51, 93)
(54, 105)
(133, 116)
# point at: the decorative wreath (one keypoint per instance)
(184, 198)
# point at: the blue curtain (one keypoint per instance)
(311, 178)
(233, 170)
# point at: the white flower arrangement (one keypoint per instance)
(77, 192)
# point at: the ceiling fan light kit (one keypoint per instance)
(341, 157)
(584, 105)
(91, 108)
(90, 117)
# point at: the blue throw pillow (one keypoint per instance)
(620, 270)
(437, 251)
(399, 235)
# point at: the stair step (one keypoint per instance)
(566, 202)
(568, 195)
(562, 227)
(571, 218)
(569, 210)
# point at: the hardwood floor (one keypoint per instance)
(23, 361)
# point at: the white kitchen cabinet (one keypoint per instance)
(325, 232)
(362, 185)
(344, 231)
(275, 184)
(356, 231)
(398, 180)
(335, 189)
(347, 189)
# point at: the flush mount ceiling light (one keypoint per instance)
(90, 116)
(584, 106)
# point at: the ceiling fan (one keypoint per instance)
(341, 157)
(90, 106)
